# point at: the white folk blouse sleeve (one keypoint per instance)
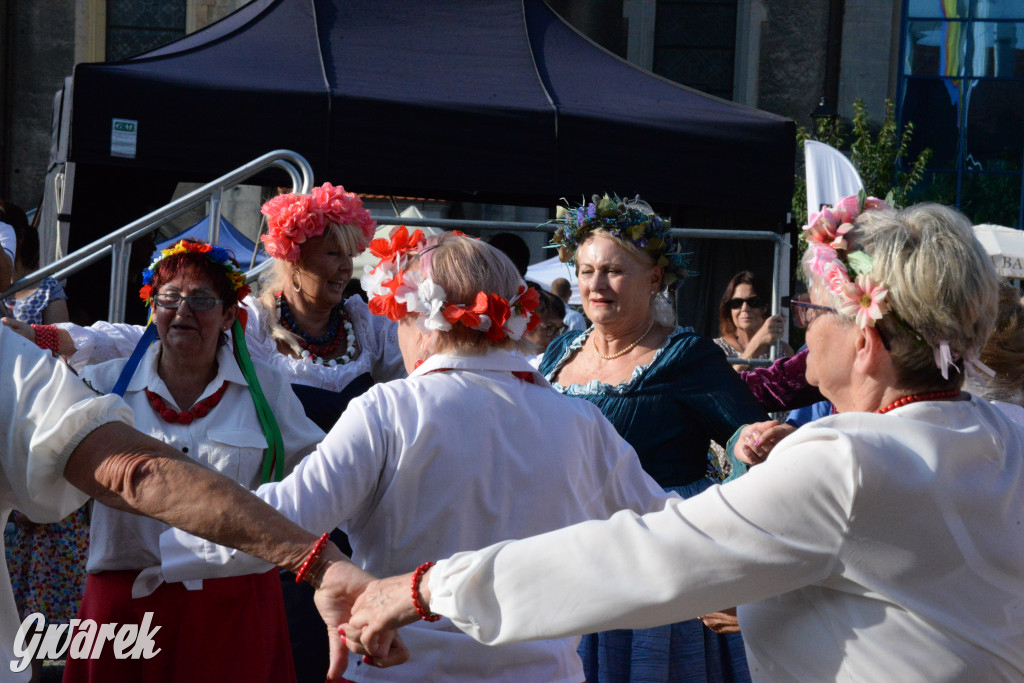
(46, 411)
(101, 341)
(775, 529)
(324, 490)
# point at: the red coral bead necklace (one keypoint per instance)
(914, 398)
(200, 409)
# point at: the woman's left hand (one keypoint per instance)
(335, 599)
(757, 440)
(770, 332)
(378, 612)
(722, 622)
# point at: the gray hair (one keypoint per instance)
(464, 266)
(942, 287)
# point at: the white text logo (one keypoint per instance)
(82, 640)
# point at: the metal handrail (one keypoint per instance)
(780, 242)
(118, 243)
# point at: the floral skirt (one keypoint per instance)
(676, 653)
(47, 565)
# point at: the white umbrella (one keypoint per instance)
(546, 272)
(1005, 246)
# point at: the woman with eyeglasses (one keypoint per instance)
(743, 321)
(330, 348)
(666, 390)
(192, 390)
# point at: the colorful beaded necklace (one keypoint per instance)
(316, 349)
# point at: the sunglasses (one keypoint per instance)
(737, 303)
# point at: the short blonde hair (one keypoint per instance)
(942, 287)
(661, 305)
(348, 238)
(464, 266)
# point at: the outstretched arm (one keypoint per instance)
(130, 471)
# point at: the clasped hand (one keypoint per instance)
(757, 440)
(345, 600)
(383, 606)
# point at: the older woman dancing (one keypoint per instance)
(472, 447)
(190, 391)
(329, 349)
(881, 543)
(332, 349)
(666, 390)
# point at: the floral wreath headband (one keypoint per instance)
(294, 218)
(219, 255)
(864, 297)
(396, 292)
(625, 220)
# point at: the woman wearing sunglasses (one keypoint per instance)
(743, 321)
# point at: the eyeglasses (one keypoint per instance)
(196, 302)
(737, 303)
(807, 313)
(549, 330)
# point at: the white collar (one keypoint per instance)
(498, 360)
(147, 377)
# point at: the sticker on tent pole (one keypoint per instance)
(123, 136)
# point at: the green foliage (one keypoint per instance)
(876, 157)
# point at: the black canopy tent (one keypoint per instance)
(493, 101)
(497, 100)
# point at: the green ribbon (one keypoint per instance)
(273, 456)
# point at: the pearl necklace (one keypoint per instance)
(623, 352)
(914, 398)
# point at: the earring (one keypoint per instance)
(296, 286)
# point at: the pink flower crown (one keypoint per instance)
(864, 297)
(831, 261)
(294, 218)
(396, 292)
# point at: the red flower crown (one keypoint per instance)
(396, 292)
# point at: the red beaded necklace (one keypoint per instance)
(200, 409)
(914, 398)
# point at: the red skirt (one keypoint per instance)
(233, 629)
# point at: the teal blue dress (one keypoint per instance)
(668, 411)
